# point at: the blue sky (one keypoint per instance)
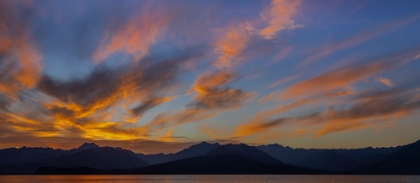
(157, 76)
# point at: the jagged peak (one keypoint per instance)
(205, 143)
(88, 145)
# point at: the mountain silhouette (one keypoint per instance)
(245, 151)
(200, 149)
(27, 155)
(207, 158)
(229, 163)
(100, 158)
(225, 159)
(87, 145)
(405, 161)
(27, 160)
(328, 160)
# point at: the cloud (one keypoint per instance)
(213, 94)
(340, 127)
(345, 76)
(258, 127)
(332, 80)
(150, 103)
(137, 145)
(279, 17)
(341, 93)
(136, 36)
(268, 98)
(283, 80)
(88, 107)
(212, 98)
(284, 108)
(361, 111)
(263, 121)
(384, 81)
(20, 65)
(187, 115)
(360, 38)
(230, 46)
(369, 106)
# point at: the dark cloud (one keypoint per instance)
(369, 105)
(213, 92)
(213, 97)
(220, 99)
(79, 107)
(148, 77)
(4, 102)
(146, 105)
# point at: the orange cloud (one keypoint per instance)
(284, 108)
(134, 38)
(164, 120)
(209, 132)
(262, 122)
(230, 46)
(212, 98)
(258, 126)
(341, 93)
(384, 81)
(367, 107)
(212, 80)
(335, 79)
(279, 17)
(20, 66)
(213, 94)
(339, 127)
(379, 107)
(100, 106)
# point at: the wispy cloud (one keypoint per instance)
(136, 36)
(230, 46)
(360, 38)
(346, 76)
(384, 81)
(20, 57)
(279, 17)
(283, 80)
(341, 93)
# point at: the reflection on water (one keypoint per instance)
(210, 178)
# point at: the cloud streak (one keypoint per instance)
(280, 17)
(384, 81)
(346, 76)
(360, 38)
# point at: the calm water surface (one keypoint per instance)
(211, 178)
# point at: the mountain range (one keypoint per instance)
(207, 158)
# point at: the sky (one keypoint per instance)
(157, 76)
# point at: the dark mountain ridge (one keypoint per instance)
(328, 159)
(193, 151)
(87, 155)
(207, 158)
(405, 161)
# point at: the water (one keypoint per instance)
(210, 178)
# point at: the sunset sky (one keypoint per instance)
(158, 76)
